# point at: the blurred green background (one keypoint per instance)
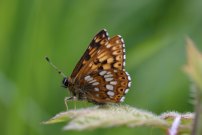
(154, 32)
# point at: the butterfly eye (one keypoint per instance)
(65, 82)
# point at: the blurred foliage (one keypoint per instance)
(154, 33)
(193, 69)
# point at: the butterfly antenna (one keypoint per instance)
(59, 71)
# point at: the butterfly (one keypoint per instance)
(99, 76)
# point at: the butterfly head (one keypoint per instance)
(65, 82)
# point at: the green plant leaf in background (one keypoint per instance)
(153, 32)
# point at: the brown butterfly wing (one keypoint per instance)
(107, 86)
(103, 55)
(106, 54)
(90, 52)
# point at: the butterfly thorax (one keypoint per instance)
(76, 88)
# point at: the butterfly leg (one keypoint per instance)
(68, 99)
(74, 98)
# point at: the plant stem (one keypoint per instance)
(197, 123)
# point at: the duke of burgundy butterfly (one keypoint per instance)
(99, 76)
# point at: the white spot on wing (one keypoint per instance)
(109, 87)
(87, 77)
(126, 91)
(102, 73)
(106, 32)
(129, 77)
(108, 46)
(110, 93)
(129, 84)
(108, 73)
(122, 40)
(122, 99)
(115, 71)
(106, 76)
(96, 89)
(113, 82)
(92, 81)
(95, 83)
(124, 56)
(108, 79)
